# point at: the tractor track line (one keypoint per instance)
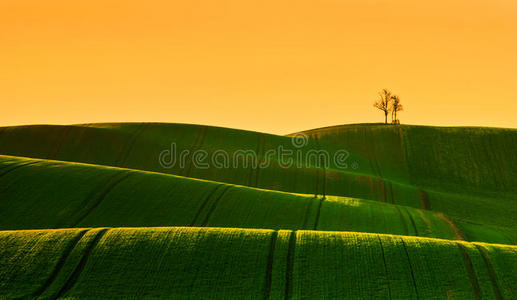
(78, 270)
(324, 169)
(385, 265)
(391, 193)
(412, 221)
(196, 147)
(105, 193)
(308, 210)
(324, 188)
(372, 187)
(212, 208)
(424, 199)
(403, 145)
(491, 271)
(457, 231)
(290, 265)
(318, 213)
(269, 269)
(426, 221)
(59, 265)
(92, 194)
(470, 270)
(405, 151)
(371, 165)
(205, 202)
(317, 169)
(403, 220)
(382, 187)
(317, 183)
(9, 170)
(368, 153)
(410, 267)
(368, 136)
(374, 155)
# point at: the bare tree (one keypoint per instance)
(395, 107)
(384, 103)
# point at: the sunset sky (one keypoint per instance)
(273, 66)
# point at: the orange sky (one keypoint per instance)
(273, 66)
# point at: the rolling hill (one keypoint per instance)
(215, 263)
(93, 211)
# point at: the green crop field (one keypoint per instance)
(96, 211)
(193, 262)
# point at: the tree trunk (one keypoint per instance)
(385, 117)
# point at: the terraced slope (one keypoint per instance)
(211, 263)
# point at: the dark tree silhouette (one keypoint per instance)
(395, 107)
(384, 103)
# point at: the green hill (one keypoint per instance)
(197, 263)
(267, 234)
(44, 194)
(424, 167)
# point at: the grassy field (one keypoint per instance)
(38, 194)
(194, 263)
(436, 168)
(418, 213)
(138, 146)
